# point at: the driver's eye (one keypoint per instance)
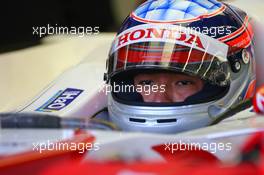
(183, 83)
(146, 82)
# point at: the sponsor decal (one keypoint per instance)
(172, 34)
(60, 100)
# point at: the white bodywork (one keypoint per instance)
(88, 76)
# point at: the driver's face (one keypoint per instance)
(177, 87)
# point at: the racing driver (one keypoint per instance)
(195, 59)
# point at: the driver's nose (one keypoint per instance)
(163, 97)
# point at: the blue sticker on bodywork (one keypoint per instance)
(60, 100)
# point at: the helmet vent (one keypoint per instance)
(167, 120)
(137, 120)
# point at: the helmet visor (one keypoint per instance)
(170, 47)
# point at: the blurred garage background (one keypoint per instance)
(28, 63)
(18, 17)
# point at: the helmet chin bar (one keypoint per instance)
(158, 119)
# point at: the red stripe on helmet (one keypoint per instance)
(251, 90)
(243, 40)
(237, 32)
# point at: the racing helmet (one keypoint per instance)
(206, 39)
